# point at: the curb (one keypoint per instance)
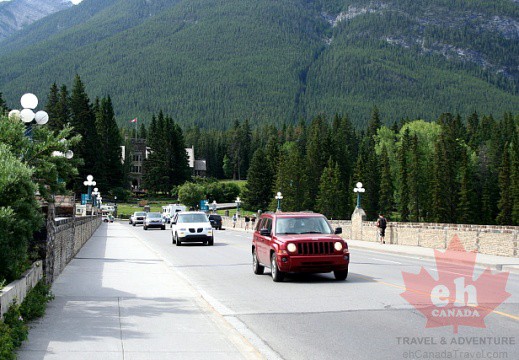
(493, 266)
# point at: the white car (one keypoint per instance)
(137, 218)
(191, 226)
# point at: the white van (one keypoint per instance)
(169, 211)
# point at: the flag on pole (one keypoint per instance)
(134, 120)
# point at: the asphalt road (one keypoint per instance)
(317, 317)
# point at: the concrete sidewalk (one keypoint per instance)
(117, 299)
(501, 263)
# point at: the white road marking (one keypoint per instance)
(394, 262)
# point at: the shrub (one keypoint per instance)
(36, 301)
(14, 320)
(6, 343)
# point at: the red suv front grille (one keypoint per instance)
(315, 248)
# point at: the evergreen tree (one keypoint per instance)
(258, 190)
(52, 106)
(344, 147)
(317, 155)
(237, 150)
(110, 139)
(472, 131)
(167, 164)
(227, 167)
(289, 178)
(371, 172)
(404, 184)
(466, 208)
(180, 171)
(83, 123)
(414, 183)
(3, 106)
(386, 184)
(447, 155)
(515, 178)
(142, 133)
(329, 191)
(505, 204)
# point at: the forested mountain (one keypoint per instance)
(211, 62)
(15, 14)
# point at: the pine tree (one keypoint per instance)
(505, 204)
(3, 106)
(83, 122)
(329, 191)
(465, 208)
(515, 178)
(386, 184)
(142, 133)
(317, 155)
(110, 140)
(403, 205)
(343, 145)
(258, 190)
(414, 183)
(289, 178)
(51, 107)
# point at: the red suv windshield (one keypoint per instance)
(302, 225)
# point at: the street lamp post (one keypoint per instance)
(95, 194)
(214, 206)
(29, 102)
(115, 205)
(238, 202)
(89, 182)
(359, 190)
(279, 197)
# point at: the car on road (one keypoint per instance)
(298, 242)
(108, 218)
(137, 218)
(191, 226)
(154, 220)
(216, 221)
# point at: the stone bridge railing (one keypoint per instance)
(485, 239)
(64, 239)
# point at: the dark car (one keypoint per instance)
(216, 221)
(298, 242)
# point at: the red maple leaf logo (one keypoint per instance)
(455, 298)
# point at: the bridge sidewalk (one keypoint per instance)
(117, 299)
(501, 263)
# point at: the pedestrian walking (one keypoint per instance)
(247, 221)
(253, 221)
(382, 224)
(234, 219)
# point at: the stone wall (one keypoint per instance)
(64, 239)
(485, 239)
(17, 290)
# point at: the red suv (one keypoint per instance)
(298, 242)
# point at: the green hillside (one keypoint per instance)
(210, 62)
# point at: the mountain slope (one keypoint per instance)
(16, 14)
(210, 62)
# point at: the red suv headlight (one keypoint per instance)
(292, 248)
(338, 246)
